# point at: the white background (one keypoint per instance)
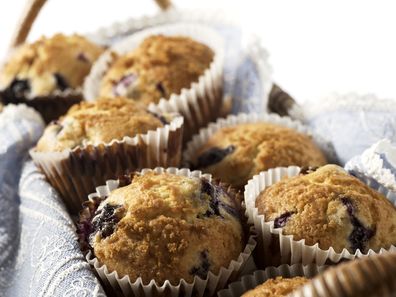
(317, 47)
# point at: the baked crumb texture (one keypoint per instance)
(277, 287)
(159, 67)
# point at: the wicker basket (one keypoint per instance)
(373, 276)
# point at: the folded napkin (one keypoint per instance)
(39, 253)
(351, 122)
(20, 127)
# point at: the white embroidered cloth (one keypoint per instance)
(39, 255)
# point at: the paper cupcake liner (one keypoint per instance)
(199, 104)
(51, 106)
(377, 166)
(125, 287)
(75, 173)
(373, 183)
(232, 120)
(369, 277)
(275, 247)
(248, 282)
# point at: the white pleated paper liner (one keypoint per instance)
(199, 104)
(376, 166)
(205, 134)
(75, 173)
(372, 183)
(251, 281)
(199, 287)
(273, 246)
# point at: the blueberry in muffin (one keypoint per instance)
(158, 67)
(98, 122)
(164, 226)
(277, 287)
(234, 154)
(49, 64)
(332, 208)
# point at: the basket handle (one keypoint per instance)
(280, 102)
(32, 9)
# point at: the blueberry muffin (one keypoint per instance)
(277, 287)
(332, 208)
(49, 64)
(98, 122)
(159, 67)
(235, 154)
(164, 226)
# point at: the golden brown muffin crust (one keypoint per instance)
(278, 287)
(159, 67)
(97, 122)
(332, 208)
(258, 147)
(165, 231)
(71, 57)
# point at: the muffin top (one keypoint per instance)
(49, 64)
(159, 67)
(97, 122)
(235, 154)
(278, 287)
(332, 208)
(167, 227)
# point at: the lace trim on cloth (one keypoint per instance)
(346, 102)
(351, 122)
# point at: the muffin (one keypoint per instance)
(329, 207)
(49, 64)
(101, 121)
(277, 287)
(35, 72)
(235, 153)
(158, 67)
(165, 226)
(100, 140)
